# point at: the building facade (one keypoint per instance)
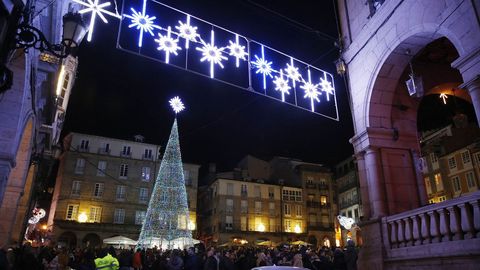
(29, 118)
(103, 188)
(282, 200)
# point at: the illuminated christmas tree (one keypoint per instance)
(166, 221)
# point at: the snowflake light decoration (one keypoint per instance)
(187, 31)
(95, 9)
(281, 85)
(263, 67)
(212, 54)
(311, 91)
(237, 50)
(176, 104)
(142, 21)
(326, 86)
(168, 44)
(292, 72)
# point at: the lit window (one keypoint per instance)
(146, 174)
(288, 225)
(76, 188)
(139, 217)
(98, 190)
(452, 163)
(95, 214)
(466, 157)
(101, 168)
(72, 212)
(456, 184)
(143, 195)
(438, 182)
(119, 216)
(123, 170)
(80, 166)
(323, 200)
(471, 183)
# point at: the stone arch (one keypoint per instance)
(68, 239)
(92, 240)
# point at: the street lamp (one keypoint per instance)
(74, 30)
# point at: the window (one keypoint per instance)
(298, 196)
(76, 188)
(228, 222)
(243, 223)
(84, 145)
(271, 193)
(466, 157)
(139, 217)
(433, 158)
(148, 154)
(299, 211)
(123, 170)
(349, 213)
(456, 184)
(323, 200)
(477, 157)
(101, 168)
(428, 185)
(72, 212)
(126, 150)
(438, 182)
(229, 205)
(244, 190)
(258, 207)
(187, 177)
(143, 195)
(80, 166)
(230, 189)
(285, 195)
(271, 222)
(452, 163)
(95, 214)
(442, 198)
(146, 174)
(121, 193)
(105, 148)
(98, 190)
(309, 180)
(243, 206)
(287, 210)
(355, 213)
(312, 219)
(271, 208)
(119, 216)
(257, 191)
(288, 225)
(471, 183)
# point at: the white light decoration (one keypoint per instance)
(187, 31)
(142, 21)
(82, 218)
(292, 72)
(326, 86)
(281, 85)
(212, 53)
(168, 44)
(237, 50)
(176, 104)
(444, 97)
(261, 227)
(95, 9)
(311, 91)
(263, 67)
(346, 222)
(297, 229)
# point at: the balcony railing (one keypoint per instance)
(453, 220)
(347, 203)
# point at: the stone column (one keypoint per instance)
(362, 178)
(5, 169)
(376, 185)
(422, 192)
(473, 88)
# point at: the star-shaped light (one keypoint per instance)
(176, 104)
(168, 44)
(311, 91)
(97, 10)
(263, 67)
(326, 86)
(212, 54)
(237, 50)
(281, 85)
(141, 21)
(292, 72)
(186, 31)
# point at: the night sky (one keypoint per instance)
(119, 95)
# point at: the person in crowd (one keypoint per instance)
(137, 260)
(339, 260)
(105, 261)
(297, 260)
(192, 261)
(228, 260)
(175, 262)
(261, 259)
(351, 256)
(212, 261)
(125, 260)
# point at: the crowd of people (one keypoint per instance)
(228, 258)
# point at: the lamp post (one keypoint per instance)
(28, 36)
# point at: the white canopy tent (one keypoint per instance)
(119, 240)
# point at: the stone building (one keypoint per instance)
(103, 188)
(379, 41)
(31, 114)
(281, 200)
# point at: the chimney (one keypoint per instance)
(212, 167)
(139, 138)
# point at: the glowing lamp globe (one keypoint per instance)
(82, 218)
(261, 227)
(297, 229)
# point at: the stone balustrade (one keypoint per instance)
(453, 220)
